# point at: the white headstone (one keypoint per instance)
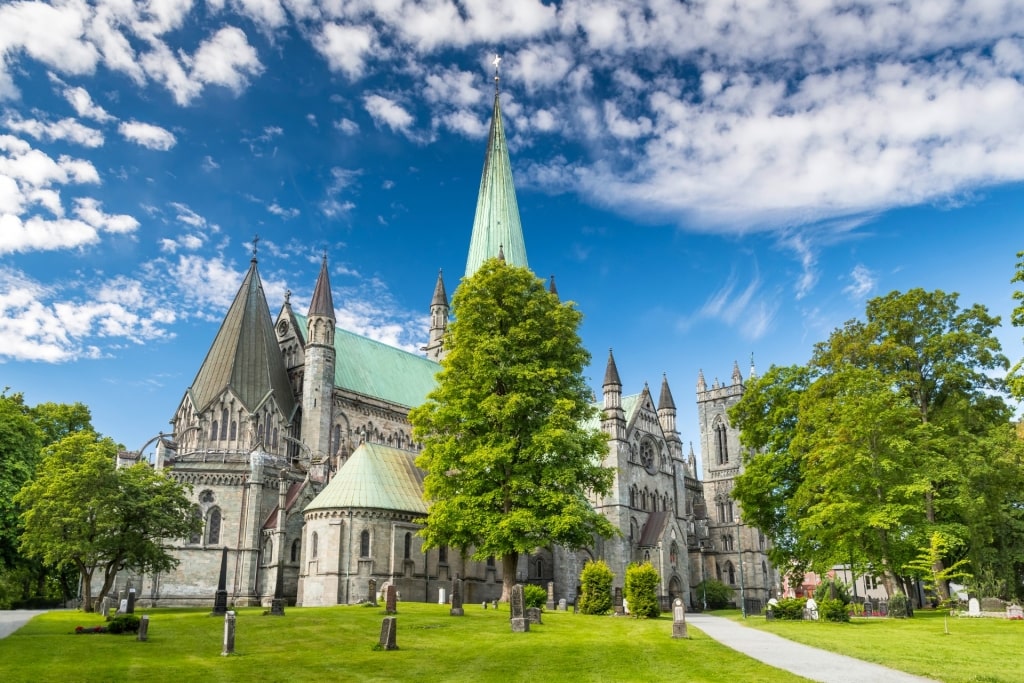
(812, 609)
(973, 608)
(442, 596)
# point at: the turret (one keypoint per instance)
(318, 375)
(667, 409)
(438, 320)
(614, 422)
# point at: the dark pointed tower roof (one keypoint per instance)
(244, 355)
(665, 399)
(322, 303)
(496, 224)
(611, 372)
(440, 296)
(552, 287)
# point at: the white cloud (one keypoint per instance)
(863, 281)
(387, 112)
(89, 211)
(278, 210)
(84, 106)
(345, 47)
(188, 216)
(64, 129)
(226, 59)
(347, 126)
(147, 135)
(208, 164)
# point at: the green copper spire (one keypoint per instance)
(496, 225)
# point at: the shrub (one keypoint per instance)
(124, 623)
(899, 606)
(715, 593)
(791, 609)
(595, 588)
(534, 596)
(641, 590)
(830, 586)
(833, 610)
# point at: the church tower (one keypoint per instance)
(318, 375)
(496, 226)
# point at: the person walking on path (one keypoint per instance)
(802, 660)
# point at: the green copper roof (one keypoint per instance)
(496, 224)
(244, 355)
(629, 405)
(374, 369)
(375, 476)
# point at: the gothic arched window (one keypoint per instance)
(442, 554)
(213, 431)
(731, 572)
(213, 526)
(223, 423)
(364, 543)
(234, 430)
(721, 443)
(296, 546)
(408, 546)
(197, 537)
(313, 546)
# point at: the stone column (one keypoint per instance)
(229, 634)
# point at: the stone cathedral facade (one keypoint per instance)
(295, 439)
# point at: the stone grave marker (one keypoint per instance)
(229, 634)
(517, 606)
(679, 619)
(143, 628)
(220, 598)
(442, 596)
(391, 601)
(456, 610)
(973, 608)
(123, 607)
(371, 591)
(550, 604)
(562, 604)
(533, 615)
(992, 605)
(811, 609)
(1014, 612)
(388, 627)
(494, 603)
(617, 601)
(130, 609)
(484, 604)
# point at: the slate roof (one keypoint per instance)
(322, 303)
(244, 355)
(375, 476)
(496, 225)
(654, 528)
(376, 370)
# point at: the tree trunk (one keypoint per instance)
(86, 578)
(509, 562)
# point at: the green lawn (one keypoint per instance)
(974, 651)
(336, 644)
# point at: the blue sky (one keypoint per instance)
(708, 181)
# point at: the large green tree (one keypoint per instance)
(508, 457)
(862, 451)
(1016, 376)
(81, 510)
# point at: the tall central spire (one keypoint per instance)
(496, 224)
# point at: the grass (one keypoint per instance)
(336, 644)
(974, 651)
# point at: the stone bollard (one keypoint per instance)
(229, 634)
(388, 627)
(143, 628)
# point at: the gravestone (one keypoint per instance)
(1014, 612)
(517, 606)
(550, 604)
(679, 619)
(484, 604)
(625, 606)
(617, 601)
(992, 605)
(277, 604)
(143, 628)
(229, 634)
(388, 627)
(562, 605)
(371, 591)
(220, 599)
(442, 596)
(130, 609)
(391, 600)
(973, 608)
(456, 610)
(494, 604)
(123, 608)
(533, 615)
(811, 610)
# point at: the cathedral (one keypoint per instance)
(295, 439)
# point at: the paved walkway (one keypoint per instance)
(12, 620)
(803, 660)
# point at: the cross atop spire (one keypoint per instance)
(497, 78)
(255, 242)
